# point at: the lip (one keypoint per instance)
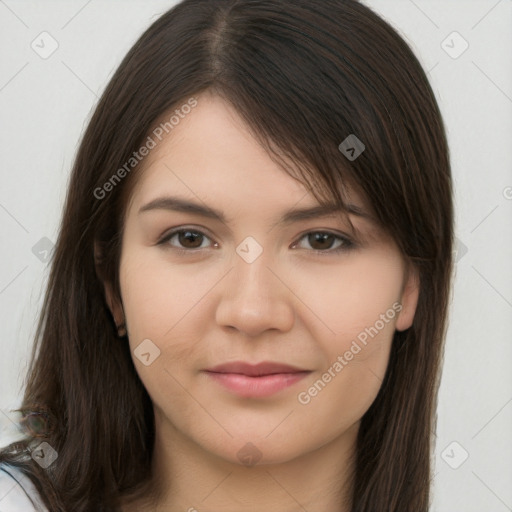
(255, 381)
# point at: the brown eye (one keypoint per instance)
(190, 239)
(325, 242)
(321, 241)
(185, 239)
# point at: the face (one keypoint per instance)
(207, 299)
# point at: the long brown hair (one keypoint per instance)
(304, 75)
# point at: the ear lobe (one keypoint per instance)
(409, 300)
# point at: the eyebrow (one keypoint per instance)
(294, 215)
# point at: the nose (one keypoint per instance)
(255, 297)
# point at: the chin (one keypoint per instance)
(256, 451)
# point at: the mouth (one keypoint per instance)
(255, 381)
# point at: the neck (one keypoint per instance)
(190, 478)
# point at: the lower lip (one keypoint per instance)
(256, 387)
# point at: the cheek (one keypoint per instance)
(330, 409)
(159, 302)
(167, 306)
(360, 304)
(158, 297)
(356, 300)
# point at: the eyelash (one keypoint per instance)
(347, 244)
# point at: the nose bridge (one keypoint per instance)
(252, 280)
(253, 298)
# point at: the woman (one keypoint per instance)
(248, 295)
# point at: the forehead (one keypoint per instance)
(212, 145)
(211, 153)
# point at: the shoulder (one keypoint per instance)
(17, 492)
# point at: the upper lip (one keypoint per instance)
(255, 370)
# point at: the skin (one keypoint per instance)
(292, 305)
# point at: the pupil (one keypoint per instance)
(189, 236)
(321, 238)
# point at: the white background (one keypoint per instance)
(45, 104)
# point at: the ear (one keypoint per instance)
(409, 299)
(113, 302)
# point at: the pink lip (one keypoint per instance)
(254, 381)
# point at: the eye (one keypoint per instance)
(188, 239)
(323, 241)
